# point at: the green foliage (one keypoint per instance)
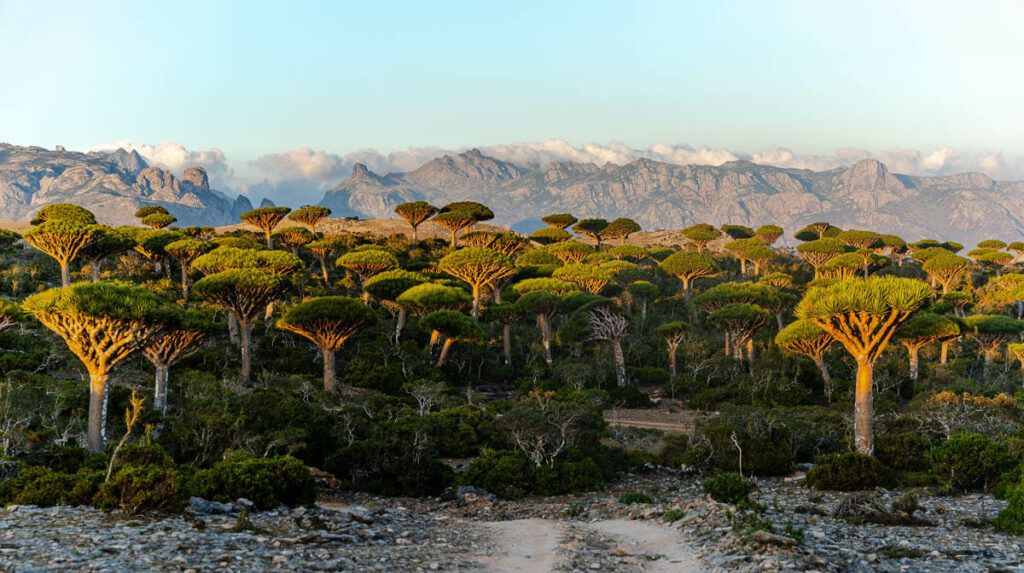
(452, 324)
(1011, 518)
(476, 211)
(971, 462)
(267, 482)
(848, 472)
(728, 487)
(389, 285)
(429, 297)
(738, 231)
(65, 212)
(548, 235)
(509, 475)
(993, 324)
(689, 264)
(875, 295)
(148, 210)
(143, 488)
(559, 220)
(101, 300)
(635, 497)
(158, 220)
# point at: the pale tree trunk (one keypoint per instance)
(400, 323)
(270, 311)
(778, 320)
(497, 294)
(672, 372)
(620, 363)
(97, 407)
(270, 242)
(244, 335)
(184, 283)
(233, 329)
(506, 342)
(912, 352)
(94, 265)
(330, 379)
(65, 274)
(545, 335)
(863, 436)
(434, 337)
(825, 377)
(688, 287)
(414, 235)
(727, 345)
(160, 389)
(445, 349)
(323, 269)
(943, 351)
(476, 302)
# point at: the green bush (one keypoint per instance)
(971, 462)
(509, 475)
(1008, 482)
(1011, 519)
(851, 471)
(635, 497)
(267, 482)
(141, 489)
(729, 487)
(768, 454)
(904, 451)
(46, 488)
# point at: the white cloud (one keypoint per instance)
(303, 174)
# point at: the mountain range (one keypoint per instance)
(965, 207)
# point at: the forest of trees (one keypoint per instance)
(376, 358)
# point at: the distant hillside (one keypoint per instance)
(112, 185)
(967, 207)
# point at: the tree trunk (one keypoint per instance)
(506, 342)
(990, 354)
(743, 266)
(750, 350)
(414, 237)
(862, 431)
(453, 238)
(97, 405)
(448, 342)
(545, 336)
(400, 323)
(912, 351)
(65, 274)
(727, 345)
(330, 379)
(826, 378)
(643, 310)
(184, 283)
(688, 288)
(497, 294)
(244, 335)
(269, 313)
(476, 302)
(620, 363)
(778, 320)
(95, 266)
(270, 242)
(160, 390)
(434, 337)
(943, 351)
(323, 269)
(233, 329)
(672, 372)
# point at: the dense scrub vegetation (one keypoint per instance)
(379, 359)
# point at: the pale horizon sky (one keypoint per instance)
(254, 86)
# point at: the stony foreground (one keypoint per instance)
(470, 531)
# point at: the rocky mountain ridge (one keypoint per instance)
(113, 185)
(966, 207)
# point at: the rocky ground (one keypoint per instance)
(471, 531)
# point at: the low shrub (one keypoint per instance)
(144, 488)
(729, 487)
(971, 462)
(509, 475)
(267, 482)
(1011, 519)
(768, 454)
(904, 451)
(1008, 482)
(635, 497)
(851, 471)
(44, 487)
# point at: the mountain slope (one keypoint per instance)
(966, 207)
(111, 185)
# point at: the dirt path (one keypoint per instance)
(545, 545)
(524, 545)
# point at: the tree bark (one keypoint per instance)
(826, 378)
(912, 351)
(233, 329)
(476, 302)
(943, 351)
(434, 337)
(862, 430)
(65, 274)
(672, 372)
(620, 363)
(184, 283)
(688, 288)
(506, 342)
(400, 323)
(448, 342)
(95, 266)
(270, 242)
(330, 379)
(244, 335)
(323, 269)
(545, 336)
(160, 389)
(97, 405)
(414, 237)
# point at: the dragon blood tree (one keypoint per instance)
(701, 235)
(559, 220)
(242, 293)
(768, 234)
(589, 278)
(294, 238)
(415, 213)
(805, 337)
(570, 252)
(424, 299)
(324, 249)
(102, 324)
(991, 331)
(689, 266)
(106, 242)
(265, 219)
(328, 322)
(593, 228)
(64, 212)
(505, 314)
(478, 267)
(455, 327)
(309, 215)
(543, 305)
(923, 329)
(388, 286)
(600, 320)
(367, 263)
(946, 268)
(180, 339)
(820, 251)
(186, 251)
(62, 239)
(862, 315)
(621, 229)
(674, 333)
(461, 215)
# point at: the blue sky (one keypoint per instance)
(256, 78)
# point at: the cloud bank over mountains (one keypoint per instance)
(302, 175)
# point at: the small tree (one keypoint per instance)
(946, 269)
(101, 324)
(559, 220)
(700, 235)
(860, 239)
(689, 266)
(242, 293)
(415, 213)
(323, 250)
(505, 314)
(148, 210)
(923, 329)
(552, 285)
(478, 267)
(589, 278)
(570, 252)
(64, 212)
(593, 228)
(428, 297)
(265, 219)
(777, 280)
(768, 234)
(186, 251)
(543, 305)
(179, 340)
(818, 252)
(600, 320)
(388, 286)
(621, 229)
(328, 322)
(509, 244)
(740, 321)
(106, 242)
(817, 230)
(294, 238)
(674, 333)
(455, 327)
(862, 315)
(367, 263)
(807, 338)
(549, 235)
(737, 232)
(309, 215)
(631, 253)
(991, 331)
(200, 233)
(152, 244)
(479, 239)
(10, 314)
(62, 239)
(461, 215)
(642, 292)
(1017, 350)
(159, 220)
